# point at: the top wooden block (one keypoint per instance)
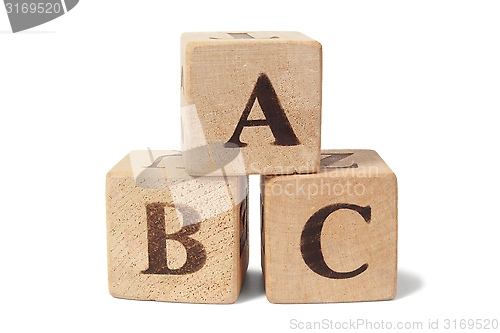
(251, 102)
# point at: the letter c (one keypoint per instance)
(310, 242)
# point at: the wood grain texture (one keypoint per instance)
(275, 77)
(331, 236)
(219, 266)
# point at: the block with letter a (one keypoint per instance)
(331, 236)
(255, 92)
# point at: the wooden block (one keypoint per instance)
(331, 236)
(258, 93)
(172, 237)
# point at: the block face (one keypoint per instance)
(162, 248)
(261, 94)
(331, 236)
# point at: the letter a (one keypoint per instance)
(274, 113)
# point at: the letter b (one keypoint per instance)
(157, 251)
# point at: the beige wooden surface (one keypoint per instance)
(348, 242)
(220, 231)
(219, 74)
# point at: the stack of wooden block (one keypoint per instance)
(177, 222)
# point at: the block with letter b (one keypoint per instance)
(172, 237)
(259, 92)
(331, 236)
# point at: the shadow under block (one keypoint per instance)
(331, 236)
(171, 237)
(255, 94)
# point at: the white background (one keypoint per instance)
(417, 81)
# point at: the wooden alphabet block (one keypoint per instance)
(331, 236)
(172, 237)
(255, 94)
